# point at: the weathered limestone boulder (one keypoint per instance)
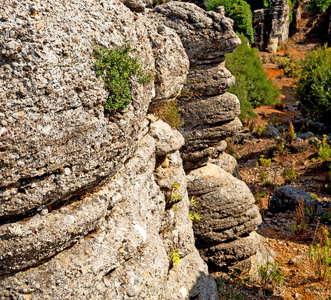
(227, 218)
(85, 210)
(271, 26)
(226, 235)
(209, 113)
(205, 35)
(125, 255)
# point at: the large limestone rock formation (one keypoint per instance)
(85, 195)
(271, 26)
(225, 236)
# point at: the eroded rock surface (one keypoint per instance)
(271, 26)
(85, 194)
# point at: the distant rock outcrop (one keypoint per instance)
(271, 26)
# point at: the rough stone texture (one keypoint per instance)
(226, 162)
(271, 131)
(208, 80)
(287, 198)
(227, 217)
(125, 255)
(209, 113)
(205, 35)
(271, 26)
(84, 194)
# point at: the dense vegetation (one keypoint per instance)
(318, 6)
(239, 11)
(314, 86)
(252, 87)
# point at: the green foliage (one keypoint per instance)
(324, 151)
(313, 196)
(174, 197)
(195, 217)
(313, 90)
(270, 274)
(257, 4)
(318, 6)
(265, 162)
(116, 67)
(326, 217)
(239, 11)
(290, 66)
(320, 254)
(289, 175)
(252, 87)
(259, 129)
(263, 176)
(290, 135)
(174, 257)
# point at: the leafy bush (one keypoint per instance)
(116, 67)
(320, 254)
(257, 4)
(324, 151)
(314, 86)
(270, 274)
(252, 87)
(318, 6)
(239, 11)
(289, 175)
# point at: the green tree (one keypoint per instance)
(318, 6)
(313, 90)
(252, 87)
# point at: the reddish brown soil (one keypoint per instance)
(300, 280)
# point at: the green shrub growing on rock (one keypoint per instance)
(116, 67)
(313, 89)
(252, 87)
(239, 11)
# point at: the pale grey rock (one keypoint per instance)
(226, 162)
(271, 26)
(221, 146)
(171, 64)
(226, 217)
(206, 112)
(271, 132)
(135, 5)
(287, 198)
(205, 35)
(207, 80)
(167, 139)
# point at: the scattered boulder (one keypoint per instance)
(287, 198)
(271, 132)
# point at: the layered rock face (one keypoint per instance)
(271, 26)
(225, 235)
(86, 203)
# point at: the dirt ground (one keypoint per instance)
(290, 249)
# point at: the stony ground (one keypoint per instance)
(288, 248)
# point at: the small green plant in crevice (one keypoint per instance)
(263, 176)
(230, 148)
(173, 257)
(289, 175)
(258, 197)
(168, 112)
(195, 217)
(117, 67)
(320, 254)
(324, 151)
(270, 274)
(174, 197)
